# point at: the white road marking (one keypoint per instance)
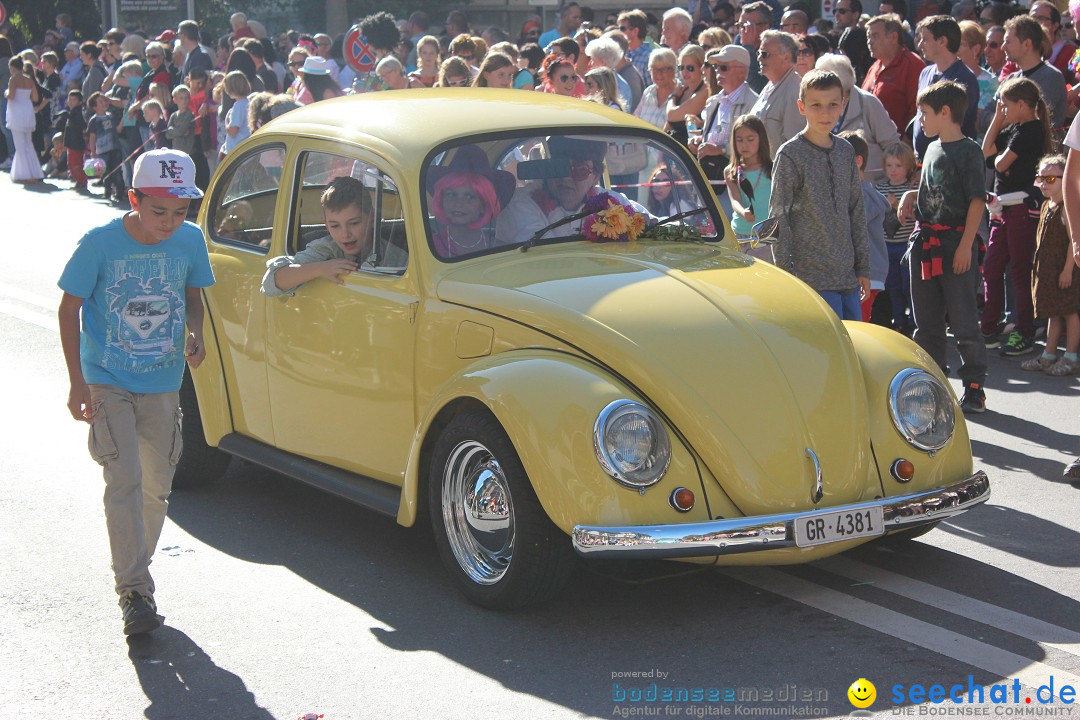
(961, 648)
(49, 322)
(30, 298)
(1044, 633)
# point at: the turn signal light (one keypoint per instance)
(682, 500)
(903, 470)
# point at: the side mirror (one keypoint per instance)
(764, 232)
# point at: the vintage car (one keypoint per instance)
(548, 350)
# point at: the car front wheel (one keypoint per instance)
(492, 533)
(200, 464)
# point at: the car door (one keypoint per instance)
(241, 222)
(340, 357)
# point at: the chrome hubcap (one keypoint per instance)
(478, 513)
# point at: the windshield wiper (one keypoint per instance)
(680, 216)
(535, 239)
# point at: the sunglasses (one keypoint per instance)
(624, 28)
(580, 169)
(1048, 179)
(154, 57)
(566, 78)
(719, 67)
(688, 68)
(457, 83)
(762, 55)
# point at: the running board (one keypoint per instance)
(372, 494)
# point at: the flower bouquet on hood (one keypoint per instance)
(609, 220)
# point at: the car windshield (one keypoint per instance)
(516, 192)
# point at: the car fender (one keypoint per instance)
(882, 354)
(210, 387)
(547, 402)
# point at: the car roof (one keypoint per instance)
(404, 125)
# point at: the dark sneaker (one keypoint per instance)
(140, 614)
(1018, 345)
(991, 340)
(974, 400)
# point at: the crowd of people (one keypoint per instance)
(723, 79)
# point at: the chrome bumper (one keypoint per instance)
(767, 532)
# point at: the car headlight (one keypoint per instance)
(632, 444)
(922, 409)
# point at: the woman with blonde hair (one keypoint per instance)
(427, 62)
(689, 99)
(496, 71)
(601, 86)
(713, 38)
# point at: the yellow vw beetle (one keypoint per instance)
(545, 342)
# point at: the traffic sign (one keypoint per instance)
(358, 53)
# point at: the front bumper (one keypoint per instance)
(768, 532)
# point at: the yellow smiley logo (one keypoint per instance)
(862, 693)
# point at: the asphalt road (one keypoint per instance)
(282, 601)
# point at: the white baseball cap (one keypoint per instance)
(165, 173)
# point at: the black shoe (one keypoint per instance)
(974, 400)
(991, 340)
(140, 614)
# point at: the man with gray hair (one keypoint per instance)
(675, 29)
(73, 67)
(756, 18)
(392, 73)
(605, 52)
(240, 27)
(778, 104)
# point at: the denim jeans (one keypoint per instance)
(846, 305)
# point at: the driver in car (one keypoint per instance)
(534, 207)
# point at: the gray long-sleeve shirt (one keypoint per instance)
(817, 197)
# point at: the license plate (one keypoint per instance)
(827, 527)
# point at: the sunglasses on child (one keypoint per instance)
(1048, 179)
(566, 77)
(688, 68)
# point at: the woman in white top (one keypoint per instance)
(652, 107)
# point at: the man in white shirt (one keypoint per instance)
(675, 29)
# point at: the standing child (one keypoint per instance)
(749, 174)
(1018, 136)
(149, 265)
(154, 115)
(105, 144)
(817, 197)
(948, 208)
(1055, 276)
(877, 208)
(237, 87)
(900, 177)
(181, 128)
(75, 139)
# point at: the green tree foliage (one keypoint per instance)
(31, 18)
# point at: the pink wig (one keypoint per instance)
(478, 184)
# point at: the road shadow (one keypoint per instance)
(1019, 533)
(182, 681)
(41, 187)
(704, 628)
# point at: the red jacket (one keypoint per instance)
(896, 85)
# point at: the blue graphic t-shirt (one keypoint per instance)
(133, 320)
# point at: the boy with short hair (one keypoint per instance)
(876, 207)
(817, 197)
(75, 139)
(136, 281)
(105, 143)
(348, 213)
(948, 208)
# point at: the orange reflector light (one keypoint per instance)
(903, 470)
(682, 500)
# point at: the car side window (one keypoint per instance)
(243, 213)
(388, 251)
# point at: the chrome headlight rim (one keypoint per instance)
(661, 443)
(895, 387)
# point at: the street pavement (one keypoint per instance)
(282, 601)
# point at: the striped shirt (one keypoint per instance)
(901, 232)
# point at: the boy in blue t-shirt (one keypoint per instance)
(137, 282)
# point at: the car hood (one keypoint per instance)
(748, 363)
